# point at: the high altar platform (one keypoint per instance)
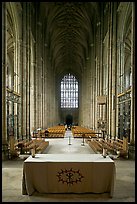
(68, 173)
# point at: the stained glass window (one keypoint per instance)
(69, 92)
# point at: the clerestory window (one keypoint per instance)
(69, 92)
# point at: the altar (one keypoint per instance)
(68, 173)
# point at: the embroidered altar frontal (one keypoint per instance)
(68, 173)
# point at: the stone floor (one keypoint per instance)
(124, 189)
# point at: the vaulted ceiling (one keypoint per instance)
(69, 32)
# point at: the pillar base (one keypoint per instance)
(131, 152)
(5, 151)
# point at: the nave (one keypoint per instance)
(68, 145)
(73, 63)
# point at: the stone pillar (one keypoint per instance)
(45, 98)
(4, 65)
(114, 71)
(38, 75)
(109, 101)
(32, 93)
(89, 97)
(35, 89)
(87, 88)
(96, 93)
(12, 141)
(117, 78)
(132, 133)
(28, 65)
(24, 74)
(20, 71)
(91, 101)
(80, 101)
(85, 98)
(94, 100)
(42, 90)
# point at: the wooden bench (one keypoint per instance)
(39, 144)
(119, 147)
(93, 143)
(79, 131)
(56, 131)
(43, 145)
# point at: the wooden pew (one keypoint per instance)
(119, 147)
(42, 146)
(79, 131)
(94, 144)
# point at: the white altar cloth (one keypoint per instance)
(68, 173)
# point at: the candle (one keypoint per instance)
(104, 152)
(33, 152)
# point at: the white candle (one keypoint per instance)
(104, 152)
(33, 152)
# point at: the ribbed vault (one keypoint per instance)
(68, 33)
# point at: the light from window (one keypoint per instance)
(69, 92)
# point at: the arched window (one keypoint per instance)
(69, 92)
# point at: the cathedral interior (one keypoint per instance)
(68, 63)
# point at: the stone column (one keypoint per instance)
(35, 90)
(91, 101)
(114, 71)
(87, 117)
(45, 98)
(4, 65)
(109, 101)
(101, 67)
(42, 90)
(96, 93)
(117, 79)
(32, 93)
(38, 75)
(81, 100)
(94, 100)
(23, 74)
(28, 64)
(132, 133)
